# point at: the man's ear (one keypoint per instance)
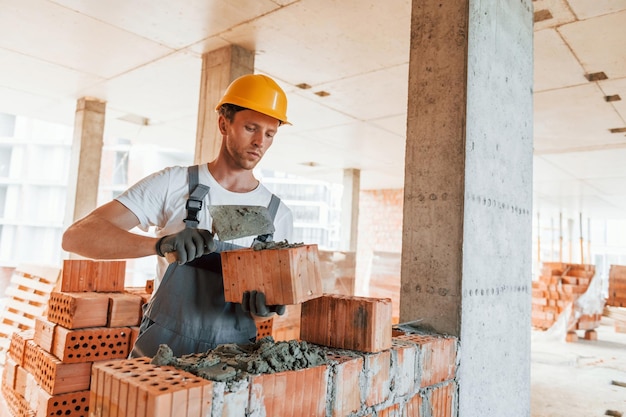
(222, 124)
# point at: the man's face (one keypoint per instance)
(247, 137)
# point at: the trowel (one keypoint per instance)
(232, 222)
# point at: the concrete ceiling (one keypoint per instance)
(144, 58)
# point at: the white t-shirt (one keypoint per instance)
(159, 200)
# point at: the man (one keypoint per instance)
(187, 311)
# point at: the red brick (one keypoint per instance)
(377, 370)
(301, 392)
(346, 372)
(9, 373)
(149, 390)
(124, 310)
(44, 333)
(87, 275)
(571, 336)
(75, 404)
(20, 381)
(404, 366)
(413, 407)
(31, 354)
(347, 322)
(91, 344)
(57, 377)
(76, 310)
(437, 357)
(391, 411)
(17, 346)
(236, 398)
(591, 335)
(441, 400)
(286, 275)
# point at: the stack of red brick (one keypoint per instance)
(617, 286)
(559, 286)
(617, 296)
(91, 318)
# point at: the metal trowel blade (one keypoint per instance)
(232, 222)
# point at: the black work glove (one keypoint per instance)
(188, 244)
(253, 302)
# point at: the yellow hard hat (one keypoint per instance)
(257, 92)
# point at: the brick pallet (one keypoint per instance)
(618, 314)
(49, 368)
(558, 287)
(28, 293)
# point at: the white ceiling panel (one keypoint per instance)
(591, 165)
(165, 90)
(21, 72)
(305, 113)
(555, 65)
(599, 43)
(24, 103)
(393, 124)
(559, 12)
(585, 9)
(52, 33)
(609, 186)
(573, 117)
(372, 95)
(173, 24)
(613, 88)
(361, 144)
(545, 170)
(333, 39)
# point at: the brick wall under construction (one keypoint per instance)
(73, 363)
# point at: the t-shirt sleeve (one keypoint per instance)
(147, 198)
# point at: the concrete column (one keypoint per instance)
(219, 69)
(82, 190)
(467, 228)
(350, 208)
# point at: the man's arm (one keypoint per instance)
(104, 234)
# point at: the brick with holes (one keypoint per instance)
(91, 344)
(76, 310)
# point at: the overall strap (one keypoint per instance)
(197, 192)
(272, 209)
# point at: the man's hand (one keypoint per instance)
(253, 302)
(189, 244)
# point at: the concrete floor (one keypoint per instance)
(569, 379)
(574, 379)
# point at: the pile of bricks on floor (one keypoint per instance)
(558, 287)
(90, 319)
(616, 301)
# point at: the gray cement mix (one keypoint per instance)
(230, 363)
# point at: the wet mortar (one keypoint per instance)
(231, 363)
